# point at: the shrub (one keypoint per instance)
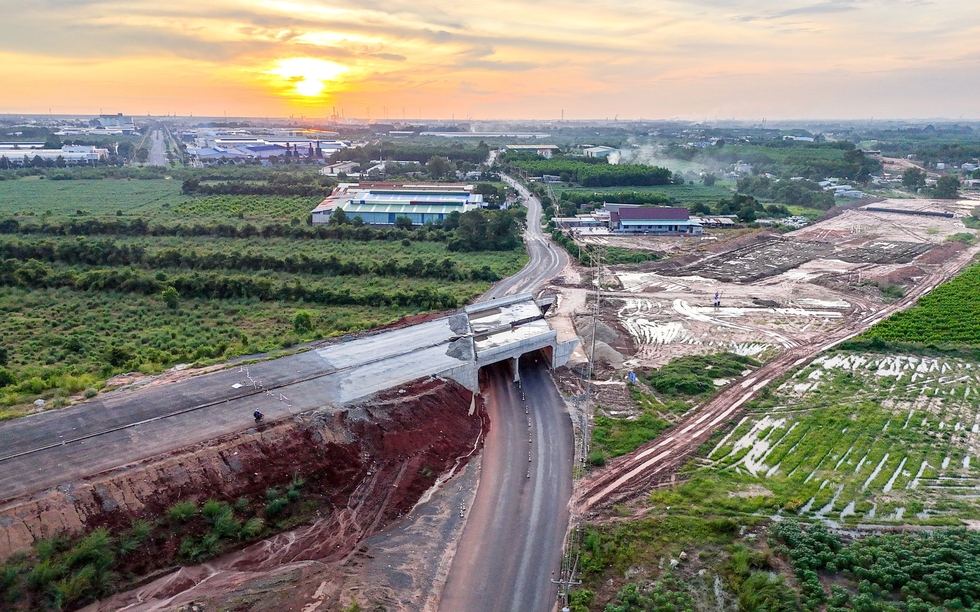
(252, 528)
(597, 458)
(212, 510)
(302, 322)
(43, 574)
(170, 297)
(276, 506)
(137, 534)
(182, 511)
(226, 526)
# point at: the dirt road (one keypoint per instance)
(656, 461)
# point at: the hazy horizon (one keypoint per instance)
(702, 60)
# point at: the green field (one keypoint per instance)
(854, 438)
(78, 309)
(849, 441)
(156, 200)
(949, 315)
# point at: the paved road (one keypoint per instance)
(512, 542)
(513, 538)
(158, 149)
(546, 259)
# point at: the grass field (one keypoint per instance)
(849, 441)
(853, 439)
(60, 341)
(62, 199)
(157, 200)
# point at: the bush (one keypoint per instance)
(134, 538)
(226, 526)
(597, 458)
(302, 322)
(182, 512)
(252, 528)
(695, 374)
(276, 506)
(6, 378)
(213, 510)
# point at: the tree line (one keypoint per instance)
(140, 227)
(312, 189)
(598, 174)
(795, 193)
(474, 230)
(34, 274)
(413, 152)
(619, 197)
(112, 253)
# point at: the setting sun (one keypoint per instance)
(308, 76)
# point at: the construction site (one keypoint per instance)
(392, 434)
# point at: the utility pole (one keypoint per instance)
(566, 579)
(596, 258)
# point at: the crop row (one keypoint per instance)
(113, 253)
(950, 314)
(34, 274)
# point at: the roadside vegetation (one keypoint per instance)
(660, 396)
(62, 573)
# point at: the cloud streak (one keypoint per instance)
(592, 59)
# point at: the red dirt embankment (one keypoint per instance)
(364, 466)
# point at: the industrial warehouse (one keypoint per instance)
(636, 219)
(383, 203)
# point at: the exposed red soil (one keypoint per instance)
(363, 467)
(941, 253)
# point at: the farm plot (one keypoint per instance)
(680, 318)
(859, 438)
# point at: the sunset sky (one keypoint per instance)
(594, 59)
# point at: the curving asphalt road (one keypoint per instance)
(546, 259)
(511, 545)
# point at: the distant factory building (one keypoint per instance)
(653, 220)
(71, 154)
(598, 151)
(545, 151)
(382, 203)
(346, 167)
(114, 123)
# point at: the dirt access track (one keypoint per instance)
(788, 297)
